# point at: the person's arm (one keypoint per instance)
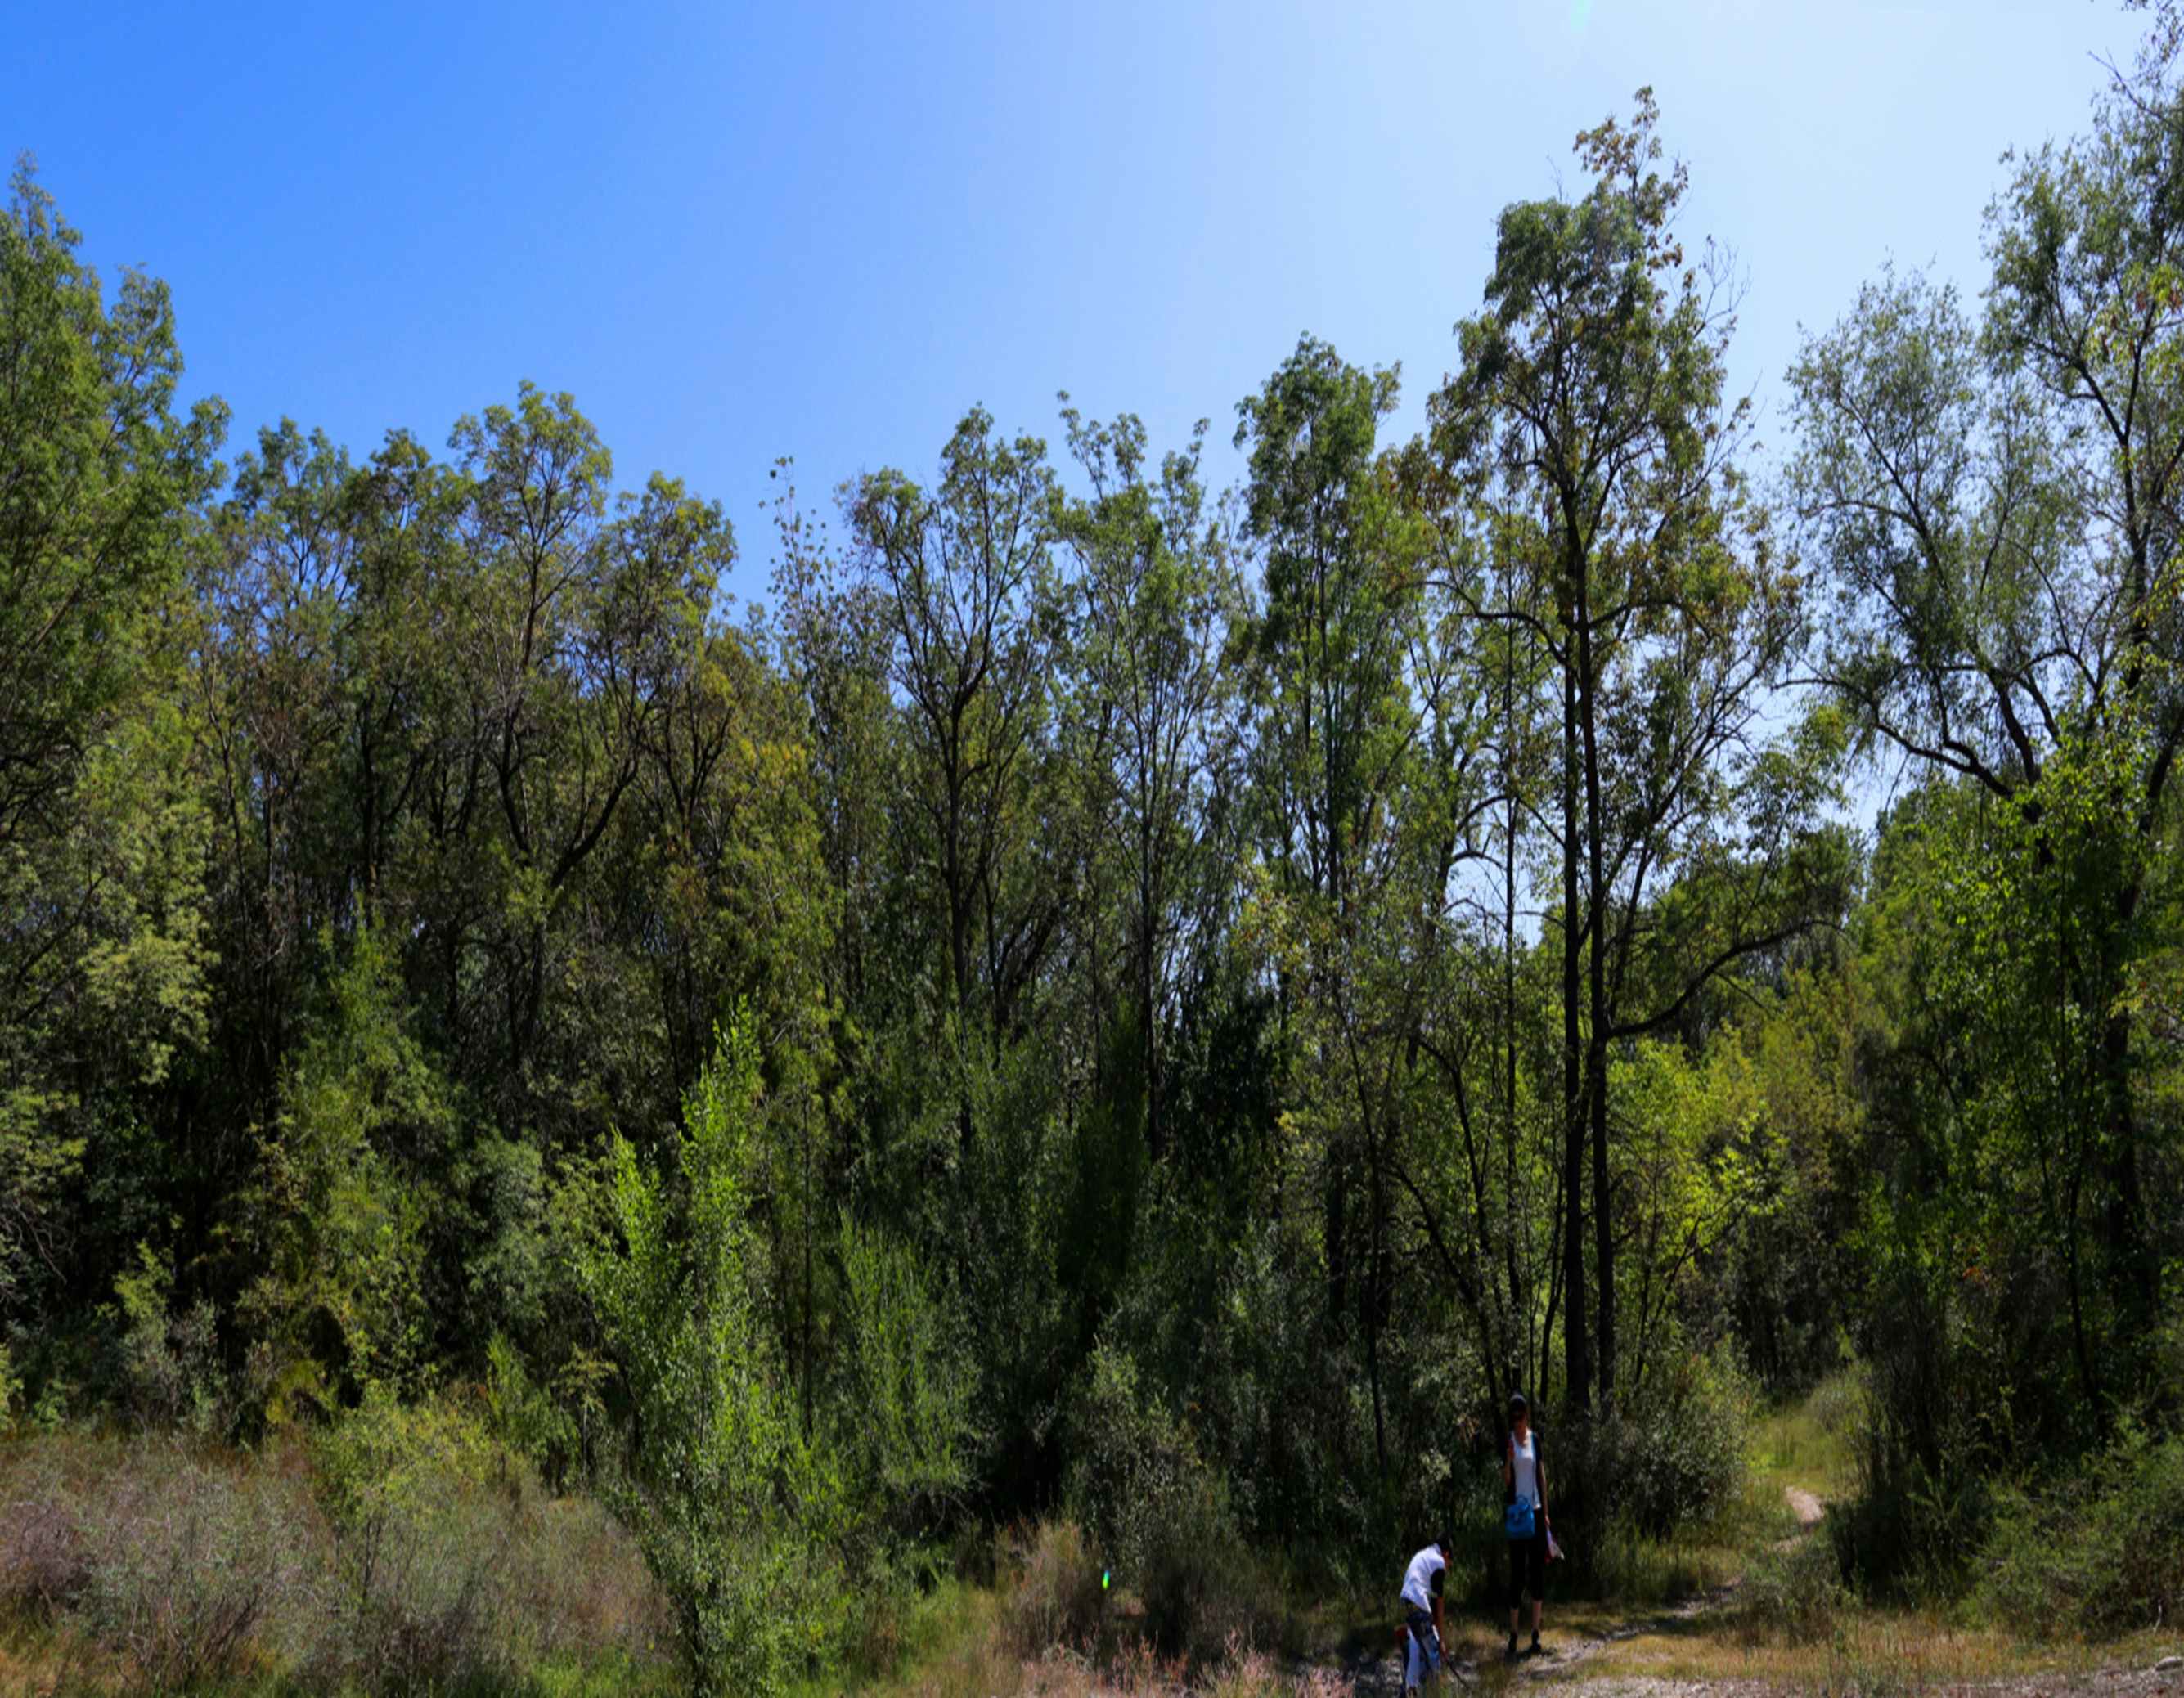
(1439, 1586)
(1509, 1468)
(1540, 1480)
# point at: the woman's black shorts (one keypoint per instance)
(1528, 1565)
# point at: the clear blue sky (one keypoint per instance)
(825, 230)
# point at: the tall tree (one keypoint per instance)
(1157, 593)
(1998, 511)
(966, 569)
(1591, 395)
(103, 485)
(1334, 721)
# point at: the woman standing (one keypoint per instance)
(1523, 1476)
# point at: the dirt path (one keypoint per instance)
(1588, 1660)
(1808, 1510)
(1377, 1674)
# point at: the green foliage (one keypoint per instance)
(900, 1397)
(2099, 1551)
(1935, 1431)
(546, 1432)
(421, 1546)
(1674, 1458)
(102, 838)
(171, 1367)
(364, 1114)
(727, 1499)
(1225, 988)
(1158, 1516)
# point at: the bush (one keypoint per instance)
(1672, 1458)
(2101, 1553)
(1053, 1596)
(44, 1562)
(401, 1551)
(725, 1495)
(527, 1419)
(1160, 1516)
(186, 1563)
(419, 1546)
(1677, 1456)
(1936, 1426)
(1841, 1404)
(170, 1362)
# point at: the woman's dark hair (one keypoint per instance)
(1518, 1404)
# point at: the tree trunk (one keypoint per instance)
(1597, 998)
(1577, 1354)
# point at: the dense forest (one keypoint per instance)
(1100, 995)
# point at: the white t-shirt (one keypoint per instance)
(1417, 1579)
(1527, 1456)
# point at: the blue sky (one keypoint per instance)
(825, 230)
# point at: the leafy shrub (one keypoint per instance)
(170, 1372)
(1053, 1596)
(400, 1551)
(1672, 1458)
(901, 1391)
(1134, 1463)
(2102, 1552)
(525, 1418)
(723, 1494)
(1159, 1513)
(421, 1546)
(1677, 1456)
(1794, 1591)
(1923, 1500)
(1841, 1404)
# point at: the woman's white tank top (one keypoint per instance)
(1526, 1454)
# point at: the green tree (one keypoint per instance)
(1333, 721)
(726, 1497)
(1996, 510)
(1592, 395)
(102, 946)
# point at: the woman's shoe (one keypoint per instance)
(1535, 1650)
(1510, 1655)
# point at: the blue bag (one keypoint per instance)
(1517, 1519)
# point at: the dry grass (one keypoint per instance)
(142, 1563)
(1875, 1652)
